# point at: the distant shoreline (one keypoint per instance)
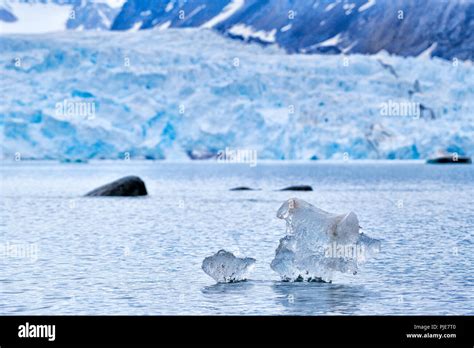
(290, 162)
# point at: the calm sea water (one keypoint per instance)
(62, 253)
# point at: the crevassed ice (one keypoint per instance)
(165, 94)
(319, 243)
(225, 267)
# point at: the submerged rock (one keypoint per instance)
(243, 188)
(224, 267)
(74, 160)
(450, 160)
(125, 187)
(318, 243)
(298, 188)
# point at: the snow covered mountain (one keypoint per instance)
(442, 28)
(184, 93)
(40, 16)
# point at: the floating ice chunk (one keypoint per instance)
(224, 267)
(319, 243)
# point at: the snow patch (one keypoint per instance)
(136, 26)
(164, 25)
(348, 8)
(426, 54)
(227, 12)
(34, 18)
(105, 19)
(367, 5)
(331, 6)
(112, 3)
(286, 28)
(169, 6)
(333, 41)
(347, 49)
(247, 32)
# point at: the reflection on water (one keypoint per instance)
(228, 288)
(323, 298)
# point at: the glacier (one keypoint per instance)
(318, 243)
(191, 93)
(225, 267)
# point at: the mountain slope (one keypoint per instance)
(403, 27)
(443, 29)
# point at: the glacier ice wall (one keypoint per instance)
(179, 93)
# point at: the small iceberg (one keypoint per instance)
(319, 243)
(224, 267)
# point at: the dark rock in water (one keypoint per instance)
(449, 160)
(298, 188)
(301, 279)
(242, 188)
(201, 155)
(124, 187)
(74, 160)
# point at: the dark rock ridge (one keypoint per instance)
(298, 188)
(243, 188)
(125, 187)
(450, 160)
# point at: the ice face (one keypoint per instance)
(178, 94)
(318, 243)
(224, 267)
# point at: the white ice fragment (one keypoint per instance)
(224, 267)
(319, 243)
